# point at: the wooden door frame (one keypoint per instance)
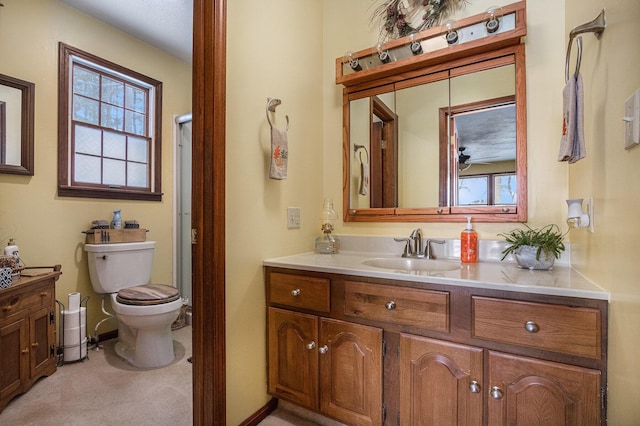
(208, 218)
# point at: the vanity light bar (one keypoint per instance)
(431, 46)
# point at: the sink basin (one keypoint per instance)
(408, 264)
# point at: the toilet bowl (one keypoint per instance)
(144, 311)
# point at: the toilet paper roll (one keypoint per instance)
(74, 301)
(74, 336)
(74, 318)
(76, 352)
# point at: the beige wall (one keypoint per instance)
(46, 227)
(610, 174)
(272, 52)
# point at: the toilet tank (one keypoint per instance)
(113, 267)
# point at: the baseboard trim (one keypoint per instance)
(261, 414)
(107, 335)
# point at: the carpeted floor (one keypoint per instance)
(104, 390)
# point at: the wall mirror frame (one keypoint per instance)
(442, 65)
(17, 104)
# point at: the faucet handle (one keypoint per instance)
(407, 246)
(427, 248)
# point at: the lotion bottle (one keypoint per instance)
(469, 244)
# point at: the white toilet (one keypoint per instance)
(144, 311)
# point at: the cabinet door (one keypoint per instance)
(293, 357)
(14, 351)
(440, 382)
(526, 391)
(40, 339)
(351, 372)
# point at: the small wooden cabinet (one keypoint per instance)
(27, 333)
(374, 351)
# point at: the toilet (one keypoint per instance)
(144, 311)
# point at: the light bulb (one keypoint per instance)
(452, 35)
(492, 16)
(352, 61)
(415, 46)
(382, 53)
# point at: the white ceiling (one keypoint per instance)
(165, 24)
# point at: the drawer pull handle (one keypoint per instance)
(496, 393)
(323, 349)
(296, 292)
(390, 305)
(474, 387)
(311, 345)
(531, 327)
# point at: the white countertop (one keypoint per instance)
(562, 280)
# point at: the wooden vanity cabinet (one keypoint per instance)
(27, 334)
(451, 355)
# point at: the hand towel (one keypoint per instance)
(279, 154)
(572, 145)
(364, 178)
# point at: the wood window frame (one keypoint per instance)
(66, 186)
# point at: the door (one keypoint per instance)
(351, 372)
(183, 207)
(14, 349)
(526, 391)
(40, 340)
(440, 382)
(293, 356)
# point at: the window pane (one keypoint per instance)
(87, 169)
(506, 190)
(138, 150)
(86, 83)
(113, 172)
(135, 123)
(112, 91)
(472, 191)
(88, 140)
(85, 110)
(136, 99)
(112, 117)
(137, 175)
(115, 145)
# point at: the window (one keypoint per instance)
(109, 129)
(489, 189)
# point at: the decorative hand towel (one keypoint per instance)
(279, 154)
(572, 146)
(364, 178)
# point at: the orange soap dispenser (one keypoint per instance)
(469, 244)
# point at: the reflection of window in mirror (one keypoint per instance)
(111, 130)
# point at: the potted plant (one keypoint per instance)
(535, 248)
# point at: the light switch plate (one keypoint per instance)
(293, 217)
(632, 120)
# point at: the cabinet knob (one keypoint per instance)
(474, 387)
(505, 209)
(44, 294)
(311, 345)
(496, 393)
(323, 349)
(25, 351)
(531, 327)
(296, 292)
(390, 305)
(7, 308)
(35, 344)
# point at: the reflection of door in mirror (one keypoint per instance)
(384, 157)
(483, 138)
(10, 125)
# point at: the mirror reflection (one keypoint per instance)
(16, 126)
(442, 144)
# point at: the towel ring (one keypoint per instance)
(357, 147)
(271, 107)
(578, 59)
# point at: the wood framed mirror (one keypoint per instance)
(456, 145)
(16, 126)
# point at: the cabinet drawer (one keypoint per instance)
(300, 291)
(17, 301)
(407, 306)
(557, 328)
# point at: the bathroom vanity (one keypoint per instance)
(487, 343)
(27, 333)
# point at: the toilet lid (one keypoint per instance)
(150, 294)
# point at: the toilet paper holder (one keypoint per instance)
(72, 330)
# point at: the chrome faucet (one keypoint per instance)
(414, 250)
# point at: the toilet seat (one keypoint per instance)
(149, 294)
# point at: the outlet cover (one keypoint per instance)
(632, 120)
(293, 217)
